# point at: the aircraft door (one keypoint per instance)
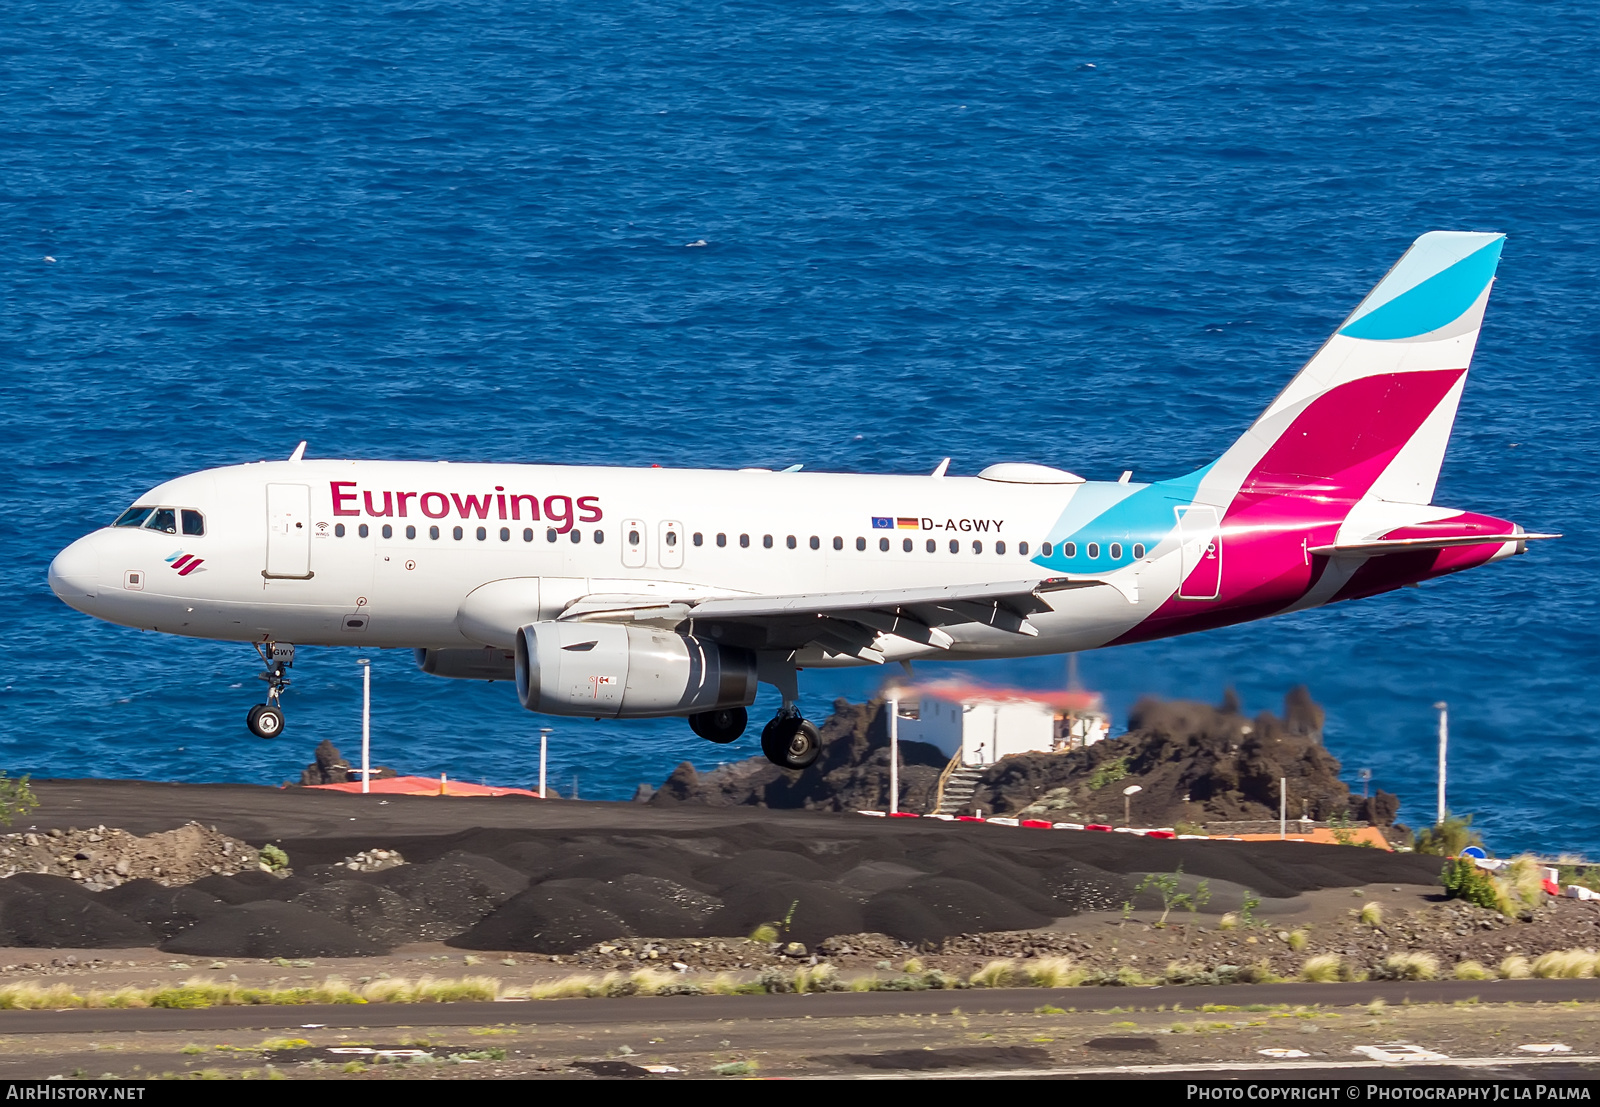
(288, 531)
(1201, 539)
(634, 544)
(671, 549)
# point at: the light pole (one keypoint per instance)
(1127, 801)
(544, 742)
(1283, 808)
(366, 724)
(1444, 742)
(894, 754)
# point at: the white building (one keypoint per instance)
(986, 724)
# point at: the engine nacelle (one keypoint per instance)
(603, 670)
(487, 663)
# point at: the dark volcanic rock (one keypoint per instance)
(851, 774)
(330, 767)
(267, 928)
(37, 910)
(1193, 763)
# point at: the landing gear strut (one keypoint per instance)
(791, 742)
(266, 719)
(721, 726)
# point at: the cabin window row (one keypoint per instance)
(480, 533)
(575, 536)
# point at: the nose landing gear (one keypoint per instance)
(266, 719)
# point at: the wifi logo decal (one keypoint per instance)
(185, 563)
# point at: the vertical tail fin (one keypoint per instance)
(1371, 412)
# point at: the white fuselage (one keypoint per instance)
(572, 532)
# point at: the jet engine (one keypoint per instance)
(603, 670)
(487, 663)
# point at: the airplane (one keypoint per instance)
(646, 592)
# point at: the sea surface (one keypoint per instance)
(857, 236)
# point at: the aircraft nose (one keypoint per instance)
(75, 572)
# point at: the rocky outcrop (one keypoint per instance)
(1193, 763)
(330, 767)
(851, 774)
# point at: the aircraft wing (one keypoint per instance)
(841, 622)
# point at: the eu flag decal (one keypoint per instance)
(880, 522)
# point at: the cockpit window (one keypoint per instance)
(193, 522)
(163, 519)
(133, 517)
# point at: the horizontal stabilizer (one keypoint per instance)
(1406, 545)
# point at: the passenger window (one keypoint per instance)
(1045, 549)
(672, 537)
(599, 537)
(932, 545)
(505, 534)
(790, 542)
(433, 533)
(766, 540)
(388, 531)
(363, 530)
(193, 523)
(550, 535)
(456, 534)
(577, 536)
(744, 541)
(338, 530)
(838, 543)
(133, 517)
(699, 539)
(1070, 549)
(999, 547)
(1116, 551)
(1022, 549)
(816, 543)
(1138, 549)
(483, 534)
(163, 519)
(977, 547)
(1094, 550)
(527, 534)
(861, 543)
(955, 545)
(411, 532)
(906, 545)
(722, 540)
(883, 544)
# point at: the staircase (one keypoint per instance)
(956, 791)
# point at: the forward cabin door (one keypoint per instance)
(1201, 537)
(288, 531)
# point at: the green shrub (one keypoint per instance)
(1462, 879)
(274, 858)
(1447, 838)
(1108, 773)
(16, 798)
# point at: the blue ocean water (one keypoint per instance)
(1094, 235)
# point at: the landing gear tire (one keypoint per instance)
(791, 742)
(265, 720)
(721, 726)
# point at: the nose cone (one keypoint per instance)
(75, 573)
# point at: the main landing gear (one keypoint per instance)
(790, 741)
(266, 719)
(721, 726)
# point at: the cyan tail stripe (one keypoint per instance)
(1436, 302)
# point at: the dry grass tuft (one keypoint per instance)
(1372, 913)
(1053, 972)
(1324, 968)
(1412, 966)
(997, 974)
(1515, 967)
(1472, 970)
(1298, 940)
(1565, 964)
